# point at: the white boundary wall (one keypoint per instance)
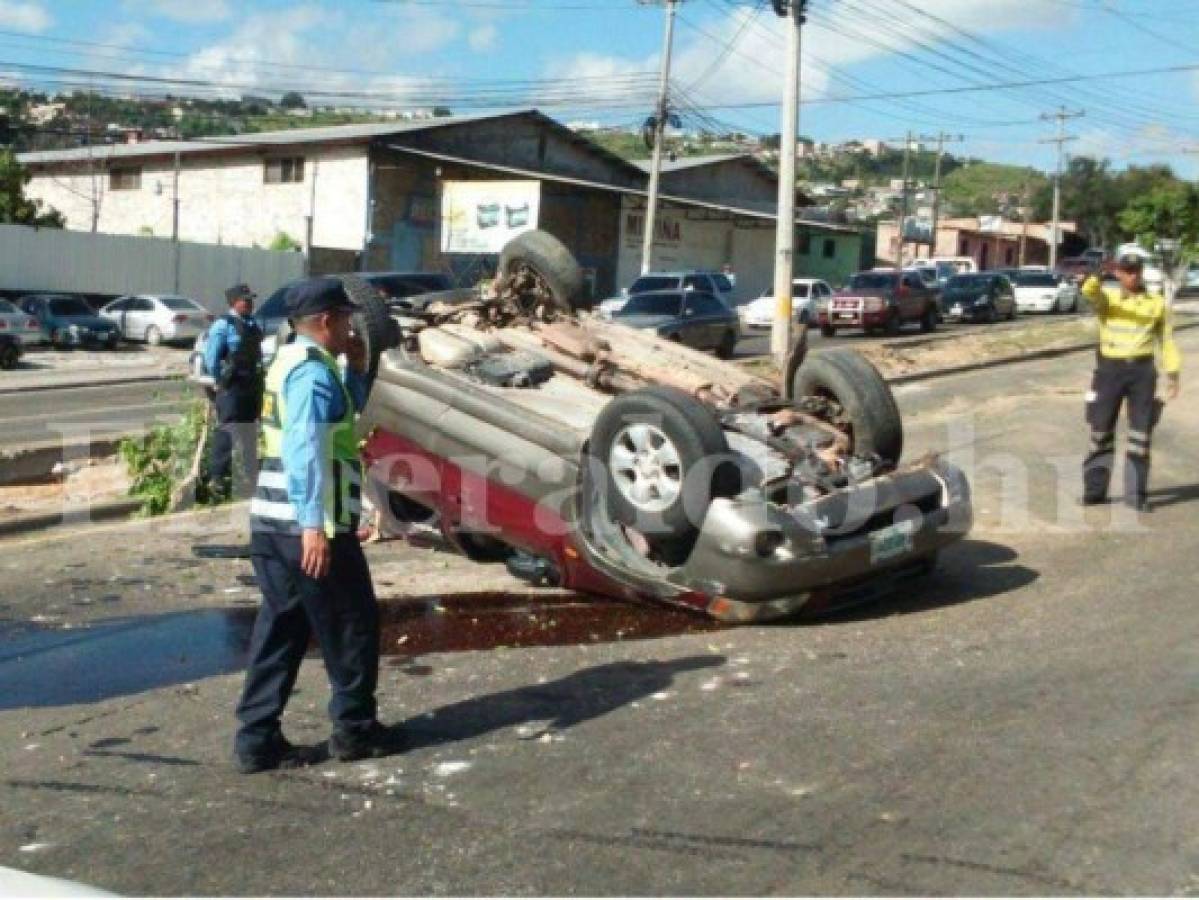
(51, 259)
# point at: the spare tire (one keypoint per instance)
(372, 321)
(849, 378)
(661, 457)
(546, 258)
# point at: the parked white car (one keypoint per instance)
(1043, 292)
(157, 318)
(804, 292)
(24, 327)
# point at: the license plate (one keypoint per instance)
(845, 315)
(957, 311)
(891, 542)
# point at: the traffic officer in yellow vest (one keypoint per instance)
(1133, 323)
(307, 559)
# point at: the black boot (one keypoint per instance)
(371, 742)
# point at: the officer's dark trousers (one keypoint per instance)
(237, 412)
(1114, 382)
(339, 609)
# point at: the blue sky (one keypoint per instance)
(595, 60)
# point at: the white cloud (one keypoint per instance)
(483, 38)
(313, 37)
(182, 10)
(754, 72)
(30, 17)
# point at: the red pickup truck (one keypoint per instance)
(882, 300)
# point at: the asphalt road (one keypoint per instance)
(35, 417)
(1022, 723)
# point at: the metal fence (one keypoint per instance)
(77, 262)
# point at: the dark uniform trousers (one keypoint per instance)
(342, 612)
(237, 411)
(1115, 381)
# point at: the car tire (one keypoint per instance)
(680, 441)
(891, 326)
(928, 321)
(992, 315)
(1011, 316)
(727, 346)
(372, 322)
(153, 336)
(828, 331)
(847, 377)
(547, 259)
(9, 357)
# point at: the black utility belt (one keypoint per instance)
(1145, 360)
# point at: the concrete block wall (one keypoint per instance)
(223, 199)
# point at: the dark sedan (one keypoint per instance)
(695, 318)
(69, 322)
(978, 297)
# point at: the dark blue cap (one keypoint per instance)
(317, 295)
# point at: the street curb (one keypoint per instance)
(98, 512)
(75, 385)
(1008, 360)
(35, 462)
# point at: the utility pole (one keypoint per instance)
(659, 122)
(941, 138)
(903, 216)
(1062, 116)
(1024, 214)
(784, 257)
(175, 220)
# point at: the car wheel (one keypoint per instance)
(1011, 315)
(992, 315)
(660, 457)
(372, 323)
(727, 346)
(891, 327)
(153, 336)
(848, 378)
(928, 321)
(56, 340)
(828, 331)
(541, 264)
(9, 357)
(805, 318)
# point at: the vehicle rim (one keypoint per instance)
(646, 467)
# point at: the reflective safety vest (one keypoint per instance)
(271, 510)
(1133, 326)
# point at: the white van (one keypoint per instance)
(946, 266)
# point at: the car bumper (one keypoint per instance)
(807, 559)
(91, 339)
(27, 337)
(965, 313)
(862, 319)
(1041, 304)
(181, 332)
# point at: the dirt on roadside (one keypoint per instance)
(895, 359)
(95, 481)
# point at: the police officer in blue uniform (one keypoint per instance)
(304, 544)
(233, 357)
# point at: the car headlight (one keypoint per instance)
(873, 304)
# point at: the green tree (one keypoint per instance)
(15, 207)
(284, 241)
(292, 100)
(1166, 219)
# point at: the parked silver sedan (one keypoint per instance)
(157, 318)
(22, 326)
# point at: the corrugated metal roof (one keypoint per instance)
(693, 162)
(286, 137)
(600, 186)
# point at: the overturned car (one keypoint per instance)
(628, 466)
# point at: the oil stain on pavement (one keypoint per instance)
(47, 666)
